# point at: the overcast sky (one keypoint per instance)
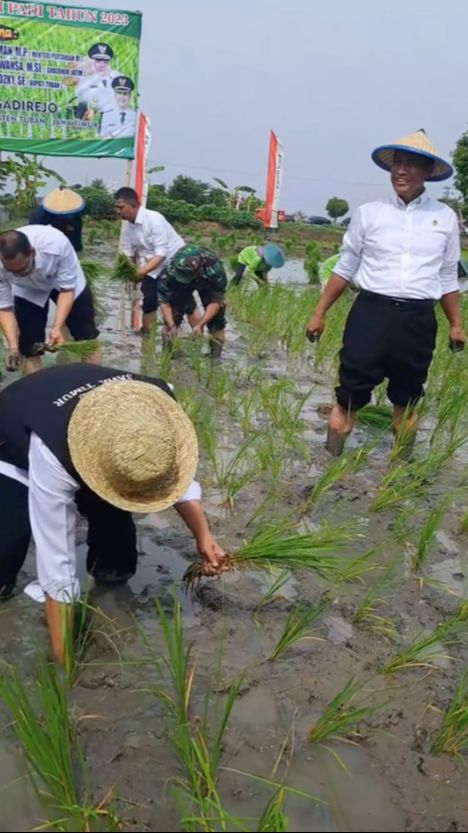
(333, 79)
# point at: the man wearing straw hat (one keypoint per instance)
(63, 209)
(402, 253)
(38, 263)
(108, 443)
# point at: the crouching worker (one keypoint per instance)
(38, 263)
(194, 269)
(107, 443)
(257, 261)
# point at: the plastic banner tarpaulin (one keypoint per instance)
(69, 79)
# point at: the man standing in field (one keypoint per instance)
(402, 253)
(150, 241)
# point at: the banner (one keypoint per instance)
(69, 79)
(274, 174)
(142, 150)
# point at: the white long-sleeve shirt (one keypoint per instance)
(55, 266)
(118, 124)
(403, 251)
(52, 514)
(150, 236)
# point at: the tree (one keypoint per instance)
(99, 200)
(234, 197)
(29, 174)
(336, 207)
(188, 189)
(460, 163)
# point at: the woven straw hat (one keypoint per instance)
(63, 201)
(418, 143)
(133, 445)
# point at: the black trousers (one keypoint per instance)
(386, 338)
(112, 546)
(32, 320)
(239, 273)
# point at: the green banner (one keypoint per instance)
(69, 79)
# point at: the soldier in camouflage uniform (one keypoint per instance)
(192, 269)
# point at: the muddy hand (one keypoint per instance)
(315, 328)
(214, 557)
(12, 361)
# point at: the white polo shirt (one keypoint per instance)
(150, 236)
(55, 266)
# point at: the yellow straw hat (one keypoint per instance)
(418, 143)
(63, 201)
(133, 445)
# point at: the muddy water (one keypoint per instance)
(389, 782)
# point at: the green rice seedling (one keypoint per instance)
(243, 408)
(92, 235)
(220, 384)
(349, 463)
(464, 524)
(409, 480)
(92, 272)
(341, 718)
(273, 819)
(452, 737)
(124, 271)
(46, 736)
(376, 416)
(428, 531)
(365, 614)
(78, 349)
(425, 649)
(198, 743)
(276, 544)
(298, 621)
(270, 595)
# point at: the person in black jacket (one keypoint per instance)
(63, 209)
(105, 442)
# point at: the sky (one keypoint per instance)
(333, 79)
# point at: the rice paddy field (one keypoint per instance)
(319, 685)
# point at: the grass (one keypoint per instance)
(452, 737)
(124, 271)
(428, 531)
(341, 718)
(273, 819)
(298, 621)
(275, 544)
(349, 463)
(426, 649)
(365, 614)
(197, 743)
(41, 723)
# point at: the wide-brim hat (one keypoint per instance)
(273, 255)
(63, 201)
(419, 143)
(133, 445)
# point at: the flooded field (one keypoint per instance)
(379, 619)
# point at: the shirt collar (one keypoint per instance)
(419, 201)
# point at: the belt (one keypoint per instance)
(398, 303)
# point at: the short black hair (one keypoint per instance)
(127, 195)
(14, 243)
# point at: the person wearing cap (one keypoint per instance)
(150, 241)
(402, 253)
(257, 262)
(94, 88)
(194, 269)
(38, 264)
(120, 121)
(63, 209)
(107, 443)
